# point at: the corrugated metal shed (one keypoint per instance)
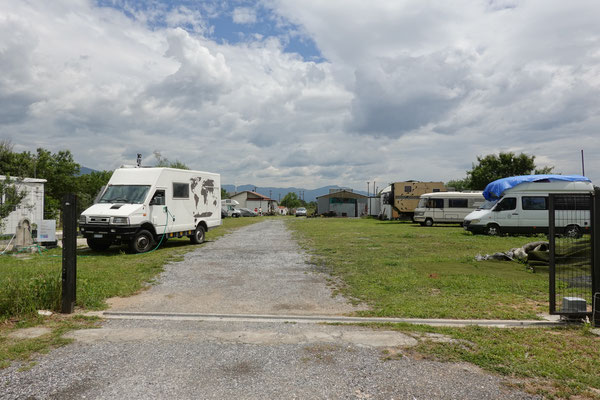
(343, 203)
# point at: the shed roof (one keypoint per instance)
(25, 180)
(254, 195)
(345, 194)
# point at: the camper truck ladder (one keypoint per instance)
(573, 259)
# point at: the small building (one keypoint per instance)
(31, 207)
(256, 201)
(342, 203)
(281, 210)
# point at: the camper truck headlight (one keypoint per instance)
(120, 221)
(475, 221)
(82, 219)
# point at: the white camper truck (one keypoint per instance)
(446, 207)
(141, 205)
(521, 206)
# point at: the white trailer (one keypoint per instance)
(139, 206)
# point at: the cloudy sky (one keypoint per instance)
(304, 93)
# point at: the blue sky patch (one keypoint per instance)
(218, 19)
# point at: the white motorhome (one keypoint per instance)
(446, 207)
(229, 207)
(523, 208)
(139, 206)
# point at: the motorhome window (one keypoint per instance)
(407, 189)
(422, 203)
(572, 202)
(435, 203)
(181, 190)
(534, 203)
(507, 203)
(135, 194)
(458, 203)
(158, 199)
(436, 190)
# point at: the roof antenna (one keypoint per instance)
(582, 164)
(139, 160)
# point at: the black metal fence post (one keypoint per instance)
(595, 218)
(69, 255)
(551, 252)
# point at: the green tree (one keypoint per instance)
(10, 197)
(459, 184)
(492, 167)
(224, 194)
(89, 185)
(291, 200)
(164, 162)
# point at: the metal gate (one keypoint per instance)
(573, 235)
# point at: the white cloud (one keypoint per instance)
(410, 89)
(244, 15)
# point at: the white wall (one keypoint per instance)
(32, 207)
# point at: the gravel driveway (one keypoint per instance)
(257, 269)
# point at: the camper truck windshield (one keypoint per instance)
(134, 194)
(487, 205)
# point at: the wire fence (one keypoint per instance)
(571, 254)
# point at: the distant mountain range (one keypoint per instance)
(276, 193)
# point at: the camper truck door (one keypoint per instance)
(158, 214)
(506, 214)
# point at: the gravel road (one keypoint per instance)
(257, 269)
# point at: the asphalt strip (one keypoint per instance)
(325, 319)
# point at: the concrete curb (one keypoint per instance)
(317, 319)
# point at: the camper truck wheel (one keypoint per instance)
(141, 242)
(98, 244)
(428, 222)
(573, 231)
(198, 236)
(492, 230)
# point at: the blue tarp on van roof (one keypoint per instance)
(494, 190)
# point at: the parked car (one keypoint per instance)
(301, 212)
(224, 213)
(247, 212)
(235, 213)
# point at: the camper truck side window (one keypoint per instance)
(181, 190)
(507, 203)
(534, 203)
(458, 203)
(158, 199)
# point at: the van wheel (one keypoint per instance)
(492, 230)
(428, 222)
(141, 242)
(198, 236)
(98, 244)
(573, 231)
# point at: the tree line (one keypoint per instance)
(492, 167)
(59, 169)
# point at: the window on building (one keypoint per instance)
(181, 190)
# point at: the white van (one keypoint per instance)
(446, 207)
(140, 205)
(523, 208)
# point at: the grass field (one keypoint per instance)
(33, 283)
(406, 270)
